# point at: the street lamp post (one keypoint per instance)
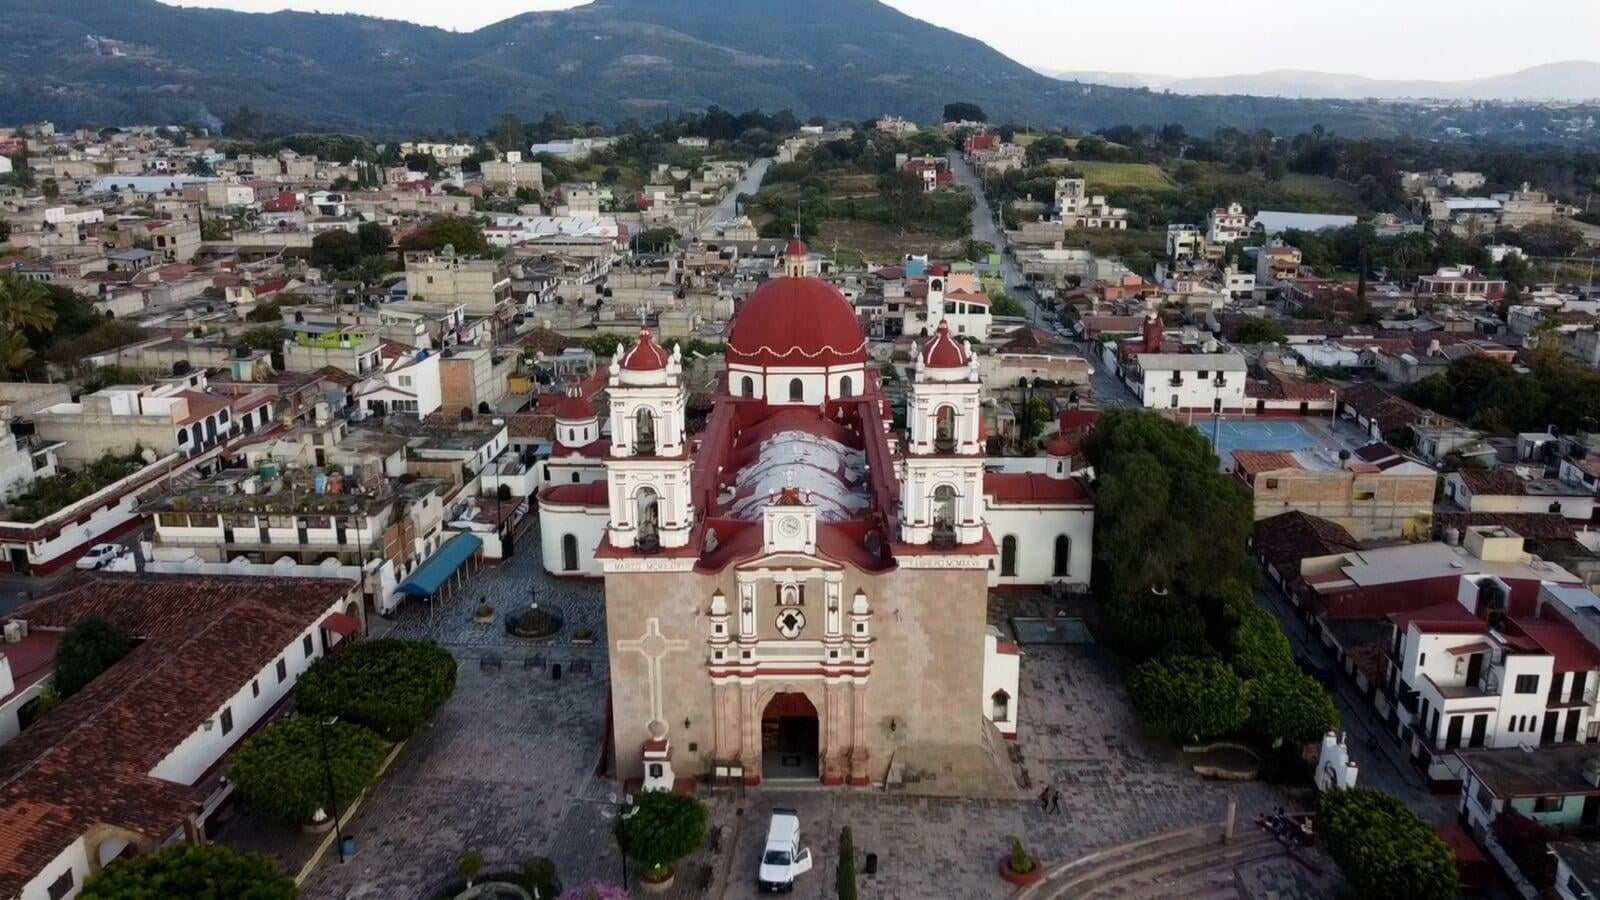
(333, 794)
(625, 810)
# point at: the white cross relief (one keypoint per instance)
(653, 645)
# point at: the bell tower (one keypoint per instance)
(648, 466)
(796, 257)
(941, 474)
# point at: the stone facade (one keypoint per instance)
(920, 683)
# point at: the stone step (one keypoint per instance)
(1199, 876)
(1155, 875)
(1071, 880)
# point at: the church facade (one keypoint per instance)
(796, 590)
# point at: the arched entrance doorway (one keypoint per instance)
(789, 738)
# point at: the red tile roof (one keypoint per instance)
(201, 639)
(1570, 650)
(1251, 462)
(595, 493)
(1032, 489)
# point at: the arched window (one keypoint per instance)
(747, 386)
(569, 553)
(1001, 710)
(944, 429)
(944, 515)
(797, 390)
(1063, 561)
(847, 387)
(572, 436)
(1008, 556)
(644, 438)
(647, 515)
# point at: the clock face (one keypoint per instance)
(789, 526)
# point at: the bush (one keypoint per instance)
(1189, 698)
(1021, 862)
(1383, 848)
(390, 686)
(469, 865)
(660, 829)
(193, 872)
(279, 771)
(87, 649)
(1145, 626)
(844, 882)
(1291, 707)
(1257, 646)
(539, 877)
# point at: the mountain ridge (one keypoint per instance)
(132, 61)
(1564, 80)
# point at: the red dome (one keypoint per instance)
(796, 247)
(796, 322)
(645, 356)
(1060, 447)
(942, 351)
(573, 408)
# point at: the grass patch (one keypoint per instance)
(1104, 176)
(862, 242)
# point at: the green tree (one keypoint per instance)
(263, 337)
(964, 112)
(465, 235)
(192, 872)
(87, 649)
(214, 229)
(200, 167)
(1002, 305)
(390, 686)
(1163, 509)
(844, 880)
(1383, 848)
(50, 189)
(1144, 626)
(1254, 330)
(1189, 698)
(509, 134)
(15, 354)
(904, 199)
(374, 239)
(469, 865)
(659, 829)
(1256, 646)
(1289, 706)
(336, 249)
(25, 304)
(279, 772)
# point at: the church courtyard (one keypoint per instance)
(507, 770)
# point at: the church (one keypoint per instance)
(796, 590)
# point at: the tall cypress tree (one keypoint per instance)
(845, 878)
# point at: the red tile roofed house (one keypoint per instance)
(1294, 543)
(1278, 394)
(1381, 413)
(133, 761)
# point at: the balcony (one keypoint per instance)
(944, 443)
(944, 536)
(647, 541)
(645, 445)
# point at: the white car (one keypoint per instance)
(783, 859)
(99, 555)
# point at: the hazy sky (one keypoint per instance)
(1437, 39)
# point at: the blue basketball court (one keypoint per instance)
(1228, 436)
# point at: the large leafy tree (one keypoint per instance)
(1289, 706)
(1189, 697)
(87, 649)
(335, 250)
(1255, 330)
(392, 687)
(1166, 517)
(1383, 848)
(25, 304)
(280, 772)
(192, 872)
(661, 828)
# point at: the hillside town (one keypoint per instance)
(741, 503)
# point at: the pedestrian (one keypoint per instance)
(1055, 802)
(1044, 799)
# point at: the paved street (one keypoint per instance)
(985, 228)
(1384, 768)
(727, 209)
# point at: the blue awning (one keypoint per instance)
(431, 575)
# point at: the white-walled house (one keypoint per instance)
(133, 761)
(1042, 522)
(405, 384)
(1189, 382)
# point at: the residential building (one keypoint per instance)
(352, 350)
(1504, 490)
(511, 172)
(1374, 493)
(178, 415)
(134, 761)
(482, 286)
(1461, 283)
(1225, 225)
(406, 383)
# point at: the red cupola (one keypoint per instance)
(943, 352)
(796, 322)
(644, 356)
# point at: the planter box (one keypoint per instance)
(1021, 879)
(657, 887)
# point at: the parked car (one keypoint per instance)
(784, 859)
(99, 555)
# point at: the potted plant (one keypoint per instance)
(469, 865)
(658, 829)
(484, 614)
(1018, 867)
(583, 636)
